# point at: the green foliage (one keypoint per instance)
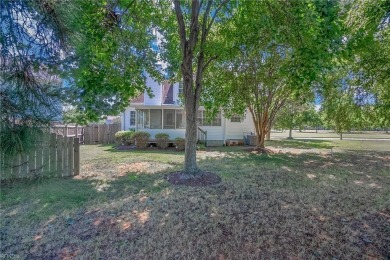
(180, 143)
(274, 52)
(340, 106)
(367, 48)
(125, 137)
(162, 140)
(18, 139)
(141, 139)
(110, 57)
(162, 136)
(296, 115)
(33, 38)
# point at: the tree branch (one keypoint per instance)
(181, 25)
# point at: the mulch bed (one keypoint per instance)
(202, 179)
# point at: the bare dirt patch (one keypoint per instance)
(202, 179)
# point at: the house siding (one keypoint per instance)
(125, 122)
(235, 130)
(157, 92)
(216, 135)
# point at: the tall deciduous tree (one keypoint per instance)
(197, 25)
(110, 58)
(276, 50)
(295, 114)
(368, 43)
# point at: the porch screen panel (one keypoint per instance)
(180, 119)
(155, 119)
(169, 119)
(143, 119)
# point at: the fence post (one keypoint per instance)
(76, 155)
(70, 156)
(38, 158)
(31, 162)
(53, 154)
(60, 150)
(46, 154)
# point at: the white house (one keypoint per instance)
(164, 113)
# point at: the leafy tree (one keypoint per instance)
(33, 37)
(311, 118)
(276, 51)
(297, 115)
(341, 108)
(189, 49)
(110, 58)
(367, 40)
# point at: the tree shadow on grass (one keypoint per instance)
(301, 144)
(262, 198)
(114, 148)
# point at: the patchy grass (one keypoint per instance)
(331, 134)
(294, 205)
(301, 144)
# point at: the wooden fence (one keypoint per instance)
(90, 134)
(100, 133)
(52, 156)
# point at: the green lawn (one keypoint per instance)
(331, 134)
(298, 204)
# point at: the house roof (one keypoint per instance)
(167, 97)
(139, 99)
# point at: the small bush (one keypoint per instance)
(125, 137)
(141, 139)
(180, 143)
(162, 140)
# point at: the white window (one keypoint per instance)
(236, 119)
(204, 120)
(169, 119)
(143, 119)
(155, 119)
(181, 88)
(132, 118)
(160, 118)
(180, 119)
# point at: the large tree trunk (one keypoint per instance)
(341, 135)
(269, 135)
(261, 132)
(190, 166)
(261, 141)
(290, 134)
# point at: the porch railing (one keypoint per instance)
(202, 136)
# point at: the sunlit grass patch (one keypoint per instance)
(301, 205)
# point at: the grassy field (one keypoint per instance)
(325, 134)
(302, 203)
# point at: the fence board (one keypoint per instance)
(38, 160)
(100, 133)
(53, 154)
(24, 170)
(31, 163)
(76, 156)
(60, 152)
(46, 155)
(70, 156)
(65, 157)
